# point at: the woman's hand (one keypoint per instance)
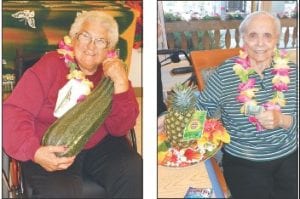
(160, 123)
(115, 69)
(272, 119)
(45, 156)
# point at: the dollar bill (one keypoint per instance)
(253, 109)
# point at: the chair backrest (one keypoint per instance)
(205, 59)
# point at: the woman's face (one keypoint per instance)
(90, 47)
(260, 39)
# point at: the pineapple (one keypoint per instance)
(181, 106)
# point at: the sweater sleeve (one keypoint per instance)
(23, 125)
(19, 112)
(291, 98)
(124, 113)
(209, 98)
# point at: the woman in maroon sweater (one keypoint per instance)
(28, 112)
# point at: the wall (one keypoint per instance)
(136, 68)
(37, 26)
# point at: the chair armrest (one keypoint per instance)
(132, 139)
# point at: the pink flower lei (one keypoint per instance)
(247, 88)
(65, 49)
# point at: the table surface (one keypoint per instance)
(174, 182)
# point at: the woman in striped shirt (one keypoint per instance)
(257, 95)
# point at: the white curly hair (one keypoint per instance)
(102, 18)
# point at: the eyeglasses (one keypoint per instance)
(86, 38)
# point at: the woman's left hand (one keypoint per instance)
(115, 69)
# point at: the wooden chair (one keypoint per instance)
(205, 59)
(209, 60)
(17, 185)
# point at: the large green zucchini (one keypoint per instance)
(77, 125)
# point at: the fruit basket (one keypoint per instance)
(210, 142)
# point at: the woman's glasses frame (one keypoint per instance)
(86, 38)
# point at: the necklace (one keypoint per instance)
(247, 87)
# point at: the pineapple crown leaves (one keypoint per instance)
(182, 98)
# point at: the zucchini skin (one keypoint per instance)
(78, 124)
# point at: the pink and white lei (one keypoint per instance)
(247, 88)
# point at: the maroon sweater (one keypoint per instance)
(28, 111)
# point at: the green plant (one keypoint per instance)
(171, 17)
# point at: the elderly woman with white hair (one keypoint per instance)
(257, 95)
(31, 108)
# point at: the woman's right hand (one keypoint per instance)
(45, 156)
(160, 123)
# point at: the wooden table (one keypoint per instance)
(174, 182)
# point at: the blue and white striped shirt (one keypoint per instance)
(246, 142)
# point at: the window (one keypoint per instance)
(232, 6)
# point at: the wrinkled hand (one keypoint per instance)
(270, 119)
(115, 69)
(160, 123)
(45, 156)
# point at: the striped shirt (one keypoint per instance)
(246, 142)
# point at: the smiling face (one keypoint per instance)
(260, 39)
(88, 51)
